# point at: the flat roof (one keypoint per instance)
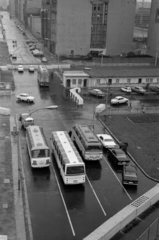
(124, 71)
(75, 73)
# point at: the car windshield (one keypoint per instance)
(94, 148)
(132, 174)
(108, 140)
(121, 155)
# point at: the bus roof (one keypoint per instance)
(68, 150)
(87, 133)
(37, 137)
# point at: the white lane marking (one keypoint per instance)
(96, 196)
(69, 219)
(117, 179)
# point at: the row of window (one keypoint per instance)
(59, 154)
(104, 81)
(99, 7)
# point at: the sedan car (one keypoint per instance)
(25, 98)
(20, 68)
(31, 68)
(130, 175)
(106, 140)
(44, 60)
(119, 100)
(126, 89)
(14, 56)
(96, 92)
(118, 156)
(138, 89)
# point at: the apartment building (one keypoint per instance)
(153, 31)
(74, 27)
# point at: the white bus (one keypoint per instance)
(70, 164)
(38, 149)
(43, 76)
(87, 143)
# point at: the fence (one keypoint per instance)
(152, 232)
(130, 110)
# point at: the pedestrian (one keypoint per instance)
(142, 108)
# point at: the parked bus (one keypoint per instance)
(70, 164)
(43, 76)
(38, 149)
(87, 143)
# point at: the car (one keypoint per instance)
(129, 175)
(106, 140)
(26, 120)
(14, 56)
(138, 89)
(31, 44)
(118, 156)
(126, 89)
(119, 100)
(35, 52)
(96, 92)
(33, 47)
(44, 60)
(20, 68)
(31, 68)
(41, 54)
(11, 53)
(25, 97)
(30, 41)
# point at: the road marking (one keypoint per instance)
(69, 219)
(96, 196)
(117, 178)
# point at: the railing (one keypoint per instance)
(152, 232)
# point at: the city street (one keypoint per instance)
(79, 209)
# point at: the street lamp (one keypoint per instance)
(52, 107)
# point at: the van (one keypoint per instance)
(26, 120)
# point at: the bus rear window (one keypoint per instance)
(92, 148)
(75, 170)
(41, 153)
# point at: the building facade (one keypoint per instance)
(73, 27)
(31, 7)
(153, 31)
(12, 7)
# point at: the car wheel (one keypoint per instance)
(18, 99)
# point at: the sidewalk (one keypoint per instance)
(13, 212)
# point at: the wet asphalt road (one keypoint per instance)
(59, 211)
(89, 205)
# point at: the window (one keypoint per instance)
(158, 80)
(73, 81)
(117, 80)
(157, 15)
(94, 7)
(151, 80)
(79, 81)
(140, 80)
(128, 80)
(147, 80)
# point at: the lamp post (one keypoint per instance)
(52, 107)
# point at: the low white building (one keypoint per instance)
(99, 77)
(73, 79)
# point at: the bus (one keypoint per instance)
(38, 148)
(70, 164)
(43, 76)
(87, 143)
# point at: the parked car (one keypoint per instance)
(119, 100)
(44, 60)
(25, 97)
(33, 47)
(26, 120)
(35, 52)
(20, 68)
(96, 92)
(138, 89)
(106, 140)
(14, 56)
(126, 89)
(118, 156)
(130, 175)
(31, 68)
(29, 41)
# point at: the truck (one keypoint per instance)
(43, 76)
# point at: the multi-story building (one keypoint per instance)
(153, 31)
(12, 7)
(31, 7)
(74, 27)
